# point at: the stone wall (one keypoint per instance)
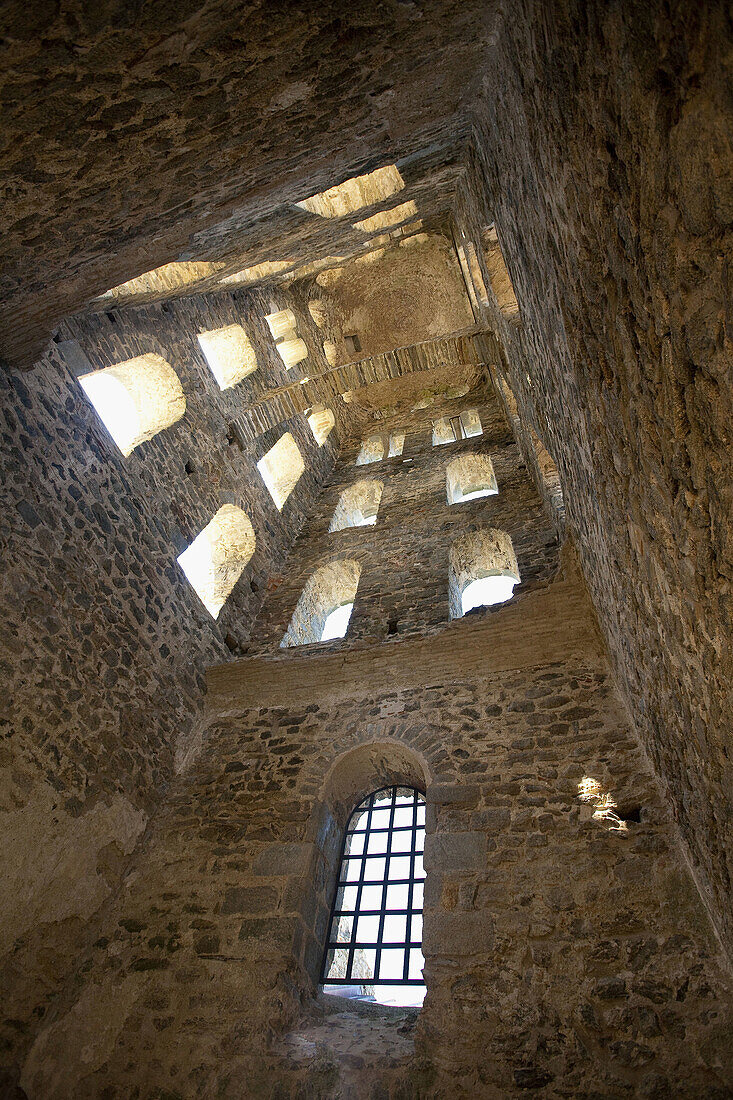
(567, 951)
(603, 156)
(404, 582)
(105, 641)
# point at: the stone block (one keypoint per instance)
(455, 851)
(283, 859)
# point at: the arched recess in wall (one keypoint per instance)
(332, 587)
(353, 774)
(358, 505)
(450, 429)
(229, 353)
(468, 477)
(281, 468)
(136, 399)
(482, 570)
(320, 421)
(372, 450)
(499, 277)
(214, 561)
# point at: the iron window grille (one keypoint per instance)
(375, 932)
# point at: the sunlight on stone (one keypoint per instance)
(602, 804)
(281, 468)
(356, 193)
(136, 399)
(385, 219)
(215, 559)
(320, 421)
(168, 277)
(256, 273)
(229, 354)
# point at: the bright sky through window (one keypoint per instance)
(337, 622)
(116, 408)
(486, 591)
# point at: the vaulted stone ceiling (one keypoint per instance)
(136, 136)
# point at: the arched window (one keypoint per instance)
(136, 399)
(215, 559)
(320, 421)
(483, 570)
(396, 444)
(468, 477)
(358, 505)
(280, 469)
(449, 429)
(229, 354)
(372, 450)
(374, 946)
(290, 347)
(325, 605)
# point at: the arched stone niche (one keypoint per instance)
(136, 399)
(352, 776)
(330, 587)
(470, 476)
(358, 505)
(487, 552)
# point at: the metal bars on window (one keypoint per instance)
(375, 934)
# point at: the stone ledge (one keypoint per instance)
(539, 628)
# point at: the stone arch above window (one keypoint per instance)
(468, 477)
(329, 589)
(136, 399)
(487, 556)
(321, 420)
(358, 505)
(214, 561)
(450, 429)
(372, 450)
(229, 353)
(281, 468)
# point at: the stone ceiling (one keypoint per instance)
(137, 136)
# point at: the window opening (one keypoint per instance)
(450, 429)
(290, 347)
(229, 354)
(485, 591)
(320, 421)
(136, 399)
(469, 477)
(216, 558)
(337, 623)
(483, 570)
(281, 468)
(353, 344)
(396, 444)
(332, 587)
(499, 276)
(374, 946)
(372, 450)
(358, 505)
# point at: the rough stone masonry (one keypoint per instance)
(512, 220)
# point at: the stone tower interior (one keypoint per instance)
(334, 312)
